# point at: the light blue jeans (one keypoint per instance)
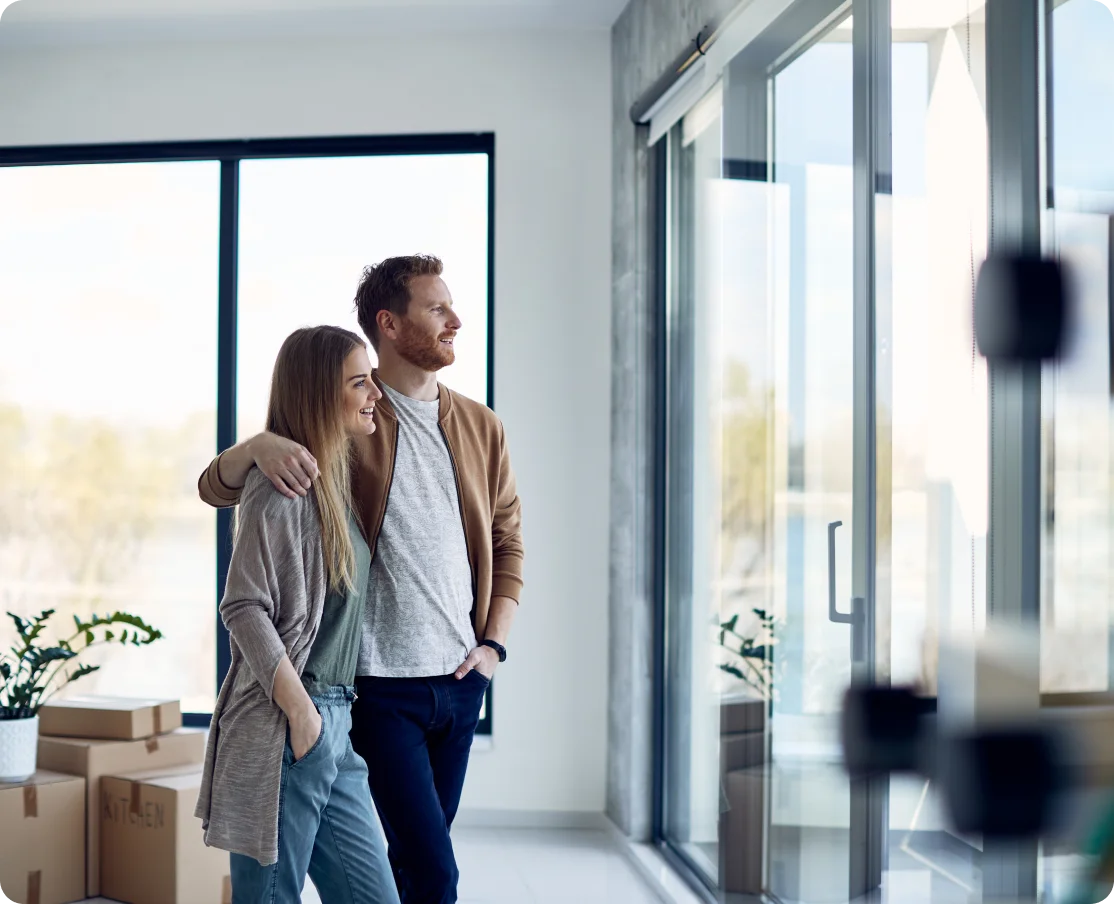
(326, 824)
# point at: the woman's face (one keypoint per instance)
(360, 394)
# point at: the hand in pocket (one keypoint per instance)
(304, 733)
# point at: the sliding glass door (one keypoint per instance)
(812, 234)
(761, 506)
(1077, 618)
(826, 452)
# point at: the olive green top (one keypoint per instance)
(336, 648)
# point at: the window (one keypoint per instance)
(108, 282)
(822, 376)
(938, 228)
(766, 496)
(759, 464)
(308, 227)
(146, 291)
(1078, 574)
(934, 237)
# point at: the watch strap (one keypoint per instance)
(497, 647)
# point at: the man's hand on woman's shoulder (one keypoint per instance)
(287, 464)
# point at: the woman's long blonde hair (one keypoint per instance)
(307, 406)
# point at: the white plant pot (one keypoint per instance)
(19, 748)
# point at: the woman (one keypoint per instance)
(283, 791)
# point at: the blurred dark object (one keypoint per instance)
(1000, 783)
(1021, 308)
(883, 730)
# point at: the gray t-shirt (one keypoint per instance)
(417, 621)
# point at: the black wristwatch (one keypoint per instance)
(497, 647)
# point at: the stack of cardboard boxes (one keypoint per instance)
(110, 811)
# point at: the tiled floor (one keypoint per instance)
(546, 866)
(540, 866)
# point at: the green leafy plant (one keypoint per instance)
(33, 672)
(750, 656)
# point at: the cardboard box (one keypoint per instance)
(94, 758)
(42, 859)
(152, 847)
(109, 718)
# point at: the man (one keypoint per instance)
(436, 496)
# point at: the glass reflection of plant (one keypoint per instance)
(751, 655)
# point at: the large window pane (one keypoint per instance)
(813, 473)
(759, 464)
(761, 456)
(934, 235)
(692, 756)
(108, 288)
(308, 227)
(1077, 569)
(1078, 574)
(938, 230)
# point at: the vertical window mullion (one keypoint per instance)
(226, 377)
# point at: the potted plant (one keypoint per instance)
(33, 673)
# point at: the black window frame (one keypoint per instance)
(229, 153)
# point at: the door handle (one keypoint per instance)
(856, 618)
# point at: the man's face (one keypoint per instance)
(426, 333)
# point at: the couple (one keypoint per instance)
(374, 578)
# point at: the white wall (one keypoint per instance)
(546, 96)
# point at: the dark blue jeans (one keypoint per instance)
(415, 735)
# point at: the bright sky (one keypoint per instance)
(108, 274)
(108, 282)
(308, 227)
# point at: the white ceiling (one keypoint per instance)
(44, 20)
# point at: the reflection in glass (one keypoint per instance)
(939, 417)
(935, 237)
(692, 805)
(108, 285)
(1077, 569)
(760, 449)
(812, 236)
(1078, 537)
(760, 462)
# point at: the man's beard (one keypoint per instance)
(422, 350)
